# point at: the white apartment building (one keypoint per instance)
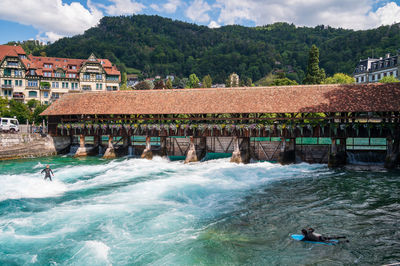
(373, 69)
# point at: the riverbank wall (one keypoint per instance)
(17, 146)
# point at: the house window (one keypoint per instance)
(57, 74)
(18, 73)
(86, 76)
(99, 76)
(46, 94)
(7, 72)
(384, 74)
(32, 72)
(391, 73)
(47, 65)
(32, 83)
(12, 63)
(99, 86)
(7, 93)
(86, 88)
(47, 74)
(379, 76)
(54, 85)
(32, 94)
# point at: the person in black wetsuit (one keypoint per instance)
(309, 235)
(47, 172)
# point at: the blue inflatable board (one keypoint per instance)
(331, 242)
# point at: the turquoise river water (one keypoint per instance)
(139, 212)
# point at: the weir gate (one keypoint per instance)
(316, 124)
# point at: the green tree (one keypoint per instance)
(3, 107)
(168, 84)
(314, 75)
(123, 81)
(19, 110)
(183, 83)
(32, 104)
(389, 79)
(193, 81)
(284, 82)
(248, 82)
(144, 85)
(36, 117)
(207, 81)
(340, 78)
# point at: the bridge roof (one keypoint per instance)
(287, 99)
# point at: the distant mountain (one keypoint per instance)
(157, 45)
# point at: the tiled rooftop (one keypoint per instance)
(288, 99)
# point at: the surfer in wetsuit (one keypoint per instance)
(47, 172)
(309, 235)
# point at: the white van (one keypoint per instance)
(9, 124)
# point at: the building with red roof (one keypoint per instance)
(24, 77)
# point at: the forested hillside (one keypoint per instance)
(156, 45)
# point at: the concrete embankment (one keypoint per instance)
(17, 146)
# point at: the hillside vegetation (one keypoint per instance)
(161, 46)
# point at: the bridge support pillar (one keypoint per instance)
(241, 153)
(287, 154)
(82, 151)
(337, 155)
(392, 153)
(147, 153)
(110, 152)
(195, 154)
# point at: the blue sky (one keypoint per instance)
(49, 20)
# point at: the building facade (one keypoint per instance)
(374, 69)
(24, 77)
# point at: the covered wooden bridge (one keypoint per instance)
(337, 112)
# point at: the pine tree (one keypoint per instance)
(314, 75)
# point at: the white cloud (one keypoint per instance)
(213, 25)
(170, 7)
(51, 17)
(123, 7)
(337, 13)
(198, 11)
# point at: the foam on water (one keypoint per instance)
(129, 211)
(29, 186)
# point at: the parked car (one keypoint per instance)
(9, 124)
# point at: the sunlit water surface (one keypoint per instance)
(139, 212)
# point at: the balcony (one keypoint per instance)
(32, 87)
(18, 96)
(45, 88)
(7, 86)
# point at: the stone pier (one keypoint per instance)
(392, 153)
(147, 153)
(287, 154)
(337, 156)
(82, 151)
(110, 152)
(196, 154)
(241, 154)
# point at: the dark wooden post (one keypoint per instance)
(287, 154)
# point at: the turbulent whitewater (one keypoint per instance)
(139, 212)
